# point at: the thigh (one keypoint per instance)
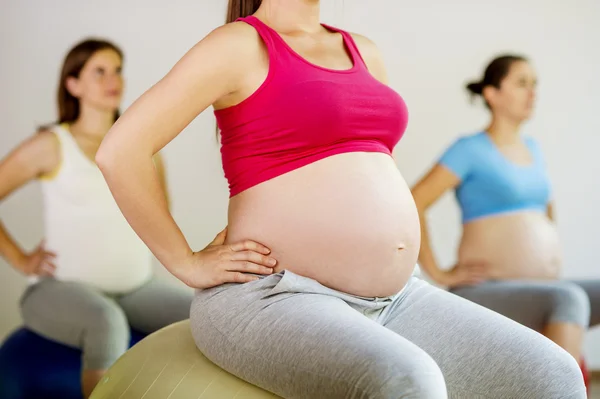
(531, 303)
(300, 345)
(482, 353)
(68, 311)
(156, 304)
(592, 289)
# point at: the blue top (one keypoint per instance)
(492, 184)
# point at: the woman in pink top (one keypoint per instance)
(309, 292)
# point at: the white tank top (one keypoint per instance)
(86, 229)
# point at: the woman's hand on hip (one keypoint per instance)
(38, 263)
(221, 263)
(472, 273)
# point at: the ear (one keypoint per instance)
(72, 86)
(489, 94)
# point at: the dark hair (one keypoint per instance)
(241, 8)
(494, 74)
(77, 57)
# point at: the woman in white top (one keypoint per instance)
(91, 278)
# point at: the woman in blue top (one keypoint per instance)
(509, 258)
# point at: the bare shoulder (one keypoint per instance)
(36, 156)
(243, 57)
(43, 143)
(223, 55)
(365, 45)
(43, 151)
(221, 48)
(236, 38)
(234, 29)
(372, 56)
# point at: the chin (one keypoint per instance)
(111, 106)
(524, 117)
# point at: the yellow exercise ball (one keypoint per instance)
(168, 365)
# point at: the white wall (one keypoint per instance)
(432, 47)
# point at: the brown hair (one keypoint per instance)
(494, 74)
(78, 56)
(241, 8)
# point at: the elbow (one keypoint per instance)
(101, 158)
(105, 158)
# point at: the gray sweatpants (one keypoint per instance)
(538, 303)
(80, 316)
(298, 339)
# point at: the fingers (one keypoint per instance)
(241, 278)
(47, 268)
(474, 278)
(477, 266)
(248, 267)
(248, 245)
(248, 261)
(470, 275)
(478, 274)
(475, 271)
(254, 257)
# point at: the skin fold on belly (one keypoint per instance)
(348, 221)
(519, 245)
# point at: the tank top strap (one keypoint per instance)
(60, 130)
(269, 36)
(71, 153)
(350, 45)
(67, 142)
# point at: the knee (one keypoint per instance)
(421, 379)
(570, 304)
(106, 337)
(542, 370)
(561, 377)
(109, 320)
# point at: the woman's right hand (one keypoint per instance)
(221, 263)
(464, 275)
(38, 263)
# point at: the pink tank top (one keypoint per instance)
(303, 113)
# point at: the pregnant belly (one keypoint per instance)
(347, 221)
(523, 245)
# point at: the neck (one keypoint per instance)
(291, 15)
(93, 123)
(504, 130)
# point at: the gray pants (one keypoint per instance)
(536, 303)
(298, 339)
(80, 316)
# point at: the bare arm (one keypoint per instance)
(550, 211)
(159, 164)
(35, 157)
(426, 192)
(211, 70)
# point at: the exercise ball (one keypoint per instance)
(33, 367)
(167, 364)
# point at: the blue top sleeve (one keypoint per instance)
(458, 158)
(536, 151)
